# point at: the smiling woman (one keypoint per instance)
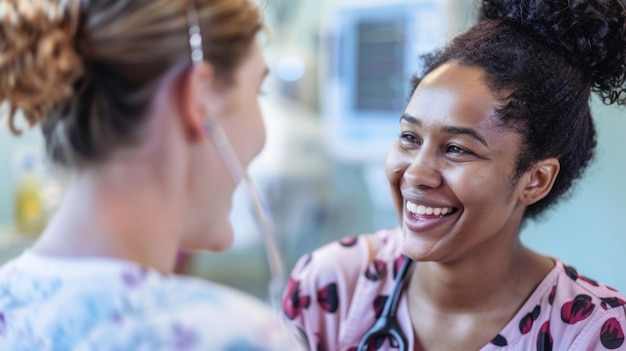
(450, 147)
(496, 131)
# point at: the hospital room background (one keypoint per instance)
(332, 102)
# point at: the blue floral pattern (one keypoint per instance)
(98, 304)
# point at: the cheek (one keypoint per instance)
(246, 133)
(260, 132)
(482, 188)
(395, 166)
(252, 118)
(255, 138)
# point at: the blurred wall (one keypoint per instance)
(11, 147)
(587, 230)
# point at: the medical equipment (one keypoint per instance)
(238, 173)
(386, 326)
(375, 48)
(274, 257)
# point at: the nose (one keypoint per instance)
(424, 171)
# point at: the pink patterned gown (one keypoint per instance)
(335, 294)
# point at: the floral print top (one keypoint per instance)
(336, 293)
(67, 304)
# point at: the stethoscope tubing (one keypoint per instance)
(278, 278)
(238, 173)
(386, 325)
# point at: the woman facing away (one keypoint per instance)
(124, 90)
(495, 133)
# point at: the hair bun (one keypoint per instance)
(590, 33)
(38, 60)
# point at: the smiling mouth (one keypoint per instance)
(421, 210)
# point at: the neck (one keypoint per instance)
(489, 278)
(119, 211)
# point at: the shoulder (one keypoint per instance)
(129, 308)
(196, 300)
(567, 311)
(350, 254)
(334, 283)
(193, 314)
(343, 261)
(194, 294)
(229, 320)
(573, 290)
(584, 314)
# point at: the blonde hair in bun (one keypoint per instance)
(39, 63)
(88, 71)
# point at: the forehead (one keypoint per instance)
(454, 94)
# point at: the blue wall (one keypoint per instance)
(587, 230)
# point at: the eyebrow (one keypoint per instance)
(449, 129)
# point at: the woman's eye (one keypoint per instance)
(408, 137)
(457, 150)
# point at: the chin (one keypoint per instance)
(221, 240)
(417, 256)
(225, 242)
(210, 238)
(418, 249)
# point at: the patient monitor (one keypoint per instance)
(374, 49)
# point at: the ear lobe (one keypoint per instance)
(540, 180)
(194, 93)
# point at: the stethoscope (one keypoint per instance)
(387, 324)
(238, 173)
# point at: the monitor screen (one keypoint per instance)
(380, 67)
(375, 49)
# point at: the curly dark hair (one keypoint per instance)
(546, 57)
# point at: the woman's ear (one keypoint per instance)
(540, 179)
(194, 98)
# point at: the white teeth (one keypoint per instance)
(423, 210)
(411, 207)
